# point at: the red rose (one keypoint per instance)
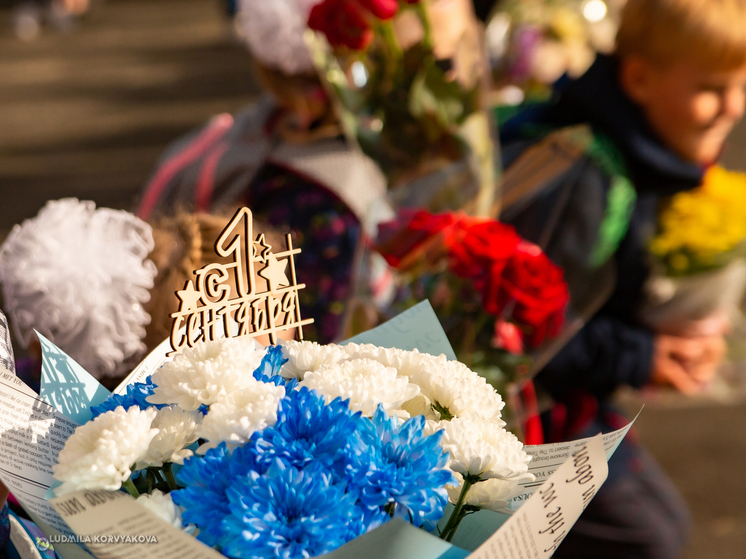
(536, 290)
(382, 9)
(343, 22)
(508, 337)
(479, 250)
(403, 240)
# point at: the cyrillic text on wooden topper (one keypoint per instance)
(223, 300)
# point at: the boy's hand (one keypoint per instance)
(687, 364)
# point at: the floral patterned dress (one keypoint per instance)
(327, 232)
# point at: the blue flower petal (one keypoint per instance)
(135, 396)
(288, 513)
(406, 469)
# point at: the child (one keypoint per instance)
(659, 112)
(284, 158)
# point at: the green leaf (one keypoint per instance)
(433, 95)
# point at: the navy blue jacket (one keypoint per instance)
(613, 348)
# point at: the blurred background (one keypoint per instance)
(88, 104)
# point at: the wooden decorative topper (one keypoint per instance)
(255, 294)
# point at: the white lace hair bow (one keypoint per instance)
(274, 31)
(80, 276)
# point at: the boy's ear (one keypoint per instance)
(635, 78)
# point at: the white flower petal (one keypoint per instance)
(484, 449)
(177, 429)
(100, 453)
(162, 505)
(365, 382)
(240, 414)
(491, 494)
(206, 373)
(457, 391)
(308, 356)
(407, 363)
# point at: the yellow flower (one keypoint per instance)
(697, 226)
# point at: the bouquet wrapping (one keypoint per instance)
(698, 265)
(313, 474)
(685, 304)
(498, 296)
(500, 299)
(407, 78)
(302, 447)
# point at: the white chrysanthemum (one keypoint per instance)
(308, 356)
(366, 383)
(100, 453)
(483, 450)
(240, 414)
(163, 506)
(407, 363)
(456, 391)
(206, 373)
(177, 429)
(420, 405)
(491, 494)
(80, 276)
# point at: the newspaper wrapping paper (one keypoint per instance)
(113, 526)
(125, 530)
(32, 433)
(6, 347)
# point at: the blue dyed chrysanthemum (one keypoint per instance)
(407, 474)
(308, 431)
(288, 513)
(269, 369)
(135, 396)
(207, 479)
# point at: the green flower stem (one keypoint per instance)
(427, 39)
(389, 37)
(168, 473)
(457, 515)
(131, 489)
(390, 509)
(461, 515)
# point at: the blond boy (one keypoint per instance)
(660, 110)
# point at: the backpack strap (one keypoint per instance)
(620, 199)
(555, 153)
(194, 149)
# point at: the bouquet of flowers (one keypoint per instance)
(407, 76)
(699, 270)
(293, 450)
(532, 43)
(497, 296)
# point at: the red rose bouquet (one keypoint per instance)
(407, 77)
(499, 297)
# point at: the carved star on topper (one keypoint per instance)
(262, 249)
(274, 272)
(189, 297)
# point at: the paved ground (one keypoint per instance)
(87, 114)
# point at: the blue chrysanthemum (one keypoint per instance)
(288, 513)
(308, 431)
(207, 479)
(135, 396)
(269, 368)
(407, 474)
